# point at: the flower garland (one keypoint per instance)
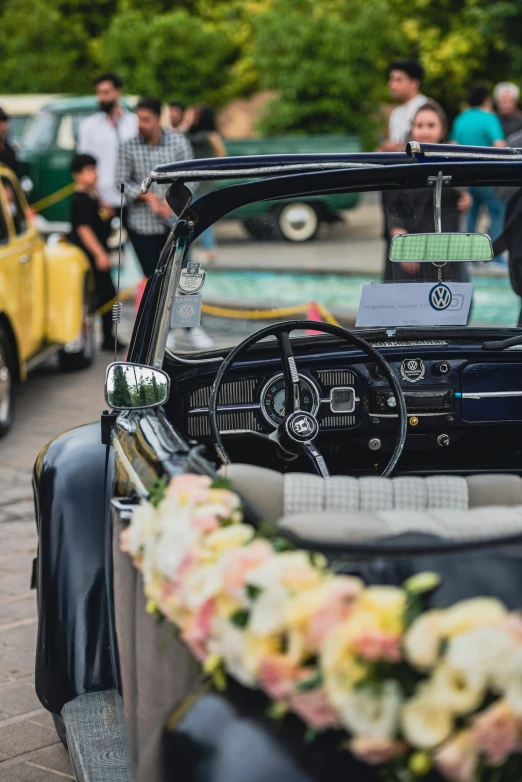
(416, 690)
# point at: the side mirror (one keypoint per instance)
(441, 247)
(134, 387)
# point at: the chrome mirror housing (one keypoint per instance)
(134, 387)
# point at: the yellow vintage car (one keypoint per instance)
(46, 293)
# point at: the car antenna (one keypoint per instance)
(118, 306)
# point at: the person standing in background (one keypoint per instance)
(478, 126)
(149, 215)
(505, 97)
(176, 112)
(404, 82)
(206, 143)
(102, 134)
(7, 153)
(91, 227)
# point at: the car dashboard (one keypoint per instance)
(464, 405)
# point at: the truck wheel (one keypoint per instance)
(79, 354)
(264, 229)
(6, 384)
(59, 724)
(298, 221)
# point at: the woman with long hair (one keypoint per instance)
(411, 211)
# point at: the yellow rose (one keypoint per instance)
(387, 604)
(469, 614)
(341, 668)
(225, 538)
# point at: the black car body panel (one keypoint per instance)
(72, 655)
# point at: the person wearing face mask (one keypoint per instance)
(411, 211)
(102, 134)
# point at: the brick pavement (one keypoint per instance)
(47, 404)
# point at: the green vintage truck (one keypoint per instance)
(48, 145)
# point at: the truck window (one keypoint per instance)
(40, 132)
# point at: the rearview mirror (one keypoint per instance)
(441, 247)
(134, 387)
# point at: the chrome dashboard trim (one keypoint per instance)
(192, 361)
(491, 394)
(226, 408)
(355, 400)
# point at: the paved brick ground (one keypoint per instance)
(49, 403)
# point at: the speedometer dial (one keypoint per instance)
(273, 398)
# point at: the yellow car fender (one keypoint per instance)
(68, 271)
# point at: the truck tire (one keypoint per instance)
(80, 353)
(264, 229)
(6, 383)
(298, 221)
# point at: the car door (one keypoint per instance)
(25, 267)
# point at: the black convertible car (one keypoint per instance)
(386, 451)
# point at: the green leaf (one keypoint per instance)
(157, 491)
(253, 591)
(310, 735)
(240, 618)
(221, 483)
(282, 544)
(312, 683)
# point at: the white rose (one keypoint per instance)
(470, 614)
(177, 539)
(202, 584)
(425, 724)
(482, 653)
(370, 714)
(143, 527)
(457, 691)
(422, 641)
(510, 682)
(267, 616)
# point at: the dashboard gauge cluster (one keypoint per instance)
(273, 398)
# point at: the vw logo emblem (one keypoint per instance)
(440, 297)
(412, 365)
(186, 310)
(301, 427)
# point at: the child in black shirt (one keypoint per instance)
(91, 227)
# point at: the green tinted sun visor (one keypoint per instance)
(441, 247)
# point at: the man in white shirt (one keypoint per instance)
(404, 82)
(102, 134)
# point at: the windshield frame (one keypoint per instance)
(210, 208)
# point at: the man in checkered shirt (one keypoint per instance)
(149, 216)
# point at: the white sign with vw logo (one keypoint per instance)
(415, 304)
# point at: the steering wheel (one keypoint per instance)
(299, 428)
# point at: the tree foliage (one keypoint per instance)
(326, 60)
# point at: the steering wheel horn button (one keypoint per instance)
(301, 427)
(412, 369)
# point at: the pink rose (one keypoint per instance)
(375, 645)
(457, 758)
(336, 609)
(314, 708)
(514, 625)
(278, 676)
(197, 629)
(241, 561)
(496, 732)
(375, 752)
(188, 482)
(206, 523)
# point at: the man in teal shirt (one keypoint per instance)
(478, 126)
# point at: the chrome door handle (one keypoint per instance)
(25, 258)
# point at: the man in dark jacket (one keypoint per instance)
(7, 153)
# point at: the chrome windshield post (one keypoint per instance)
(163, 319)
